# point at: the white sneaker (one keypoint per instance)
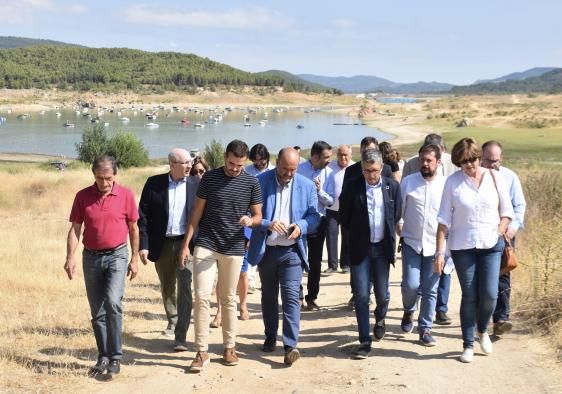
(485, 343)
(467, 355)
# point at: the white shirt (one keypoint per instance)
(470, 213)
(308, 171)
(282, 213)
(375, 209)
(176, 207)
(335, 182)
(517, 198)
(252, 170)
(420, 204)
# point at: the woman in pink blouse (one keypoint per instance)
(475, 211)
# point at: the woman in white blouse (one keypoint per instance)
(475, 213)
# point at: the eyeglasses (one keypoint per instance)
(492, 161)
(470, 160)
(371, 171)
(200, 171)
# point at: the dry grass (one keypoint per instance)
(45, 334)
(538, 295)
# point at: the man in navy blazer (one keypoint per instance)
(278, 247)
(164, 209)
(369, 209)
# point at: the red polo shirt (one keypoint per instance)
(105, 218)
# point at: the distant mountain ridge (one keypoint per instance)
(294, 80)
(519, 76)
(369, 83)
(550, 82)
(7, 42)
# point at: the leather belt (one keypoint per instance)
(104, 252)
(175, 237)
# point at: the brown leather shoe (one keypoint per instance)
(229, 356)
(201, 359)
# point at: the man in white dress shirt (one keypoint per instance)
(445, 168)
(334, 186)
(492, 158)
(421, 197)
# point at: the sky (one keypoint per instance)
(403, 41)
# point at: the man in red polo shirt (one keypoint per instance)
(108, 212)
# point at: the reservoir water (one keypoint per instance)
(275, 127)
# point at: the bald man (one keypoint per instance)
(164, 209)
(277, 247)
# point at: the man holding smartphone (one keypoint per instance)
(278, 247)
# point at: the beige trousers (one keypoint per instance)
(205, 265)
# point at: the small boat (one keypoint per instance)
(201, 125)
(58, 114)
(41, 112)
(106, 124)
(24, 116)
(124, 119)
(77, 112)
(152, 125)
(247, 125)
(151, 116)
(300, 126)
(185, 121)
(263, 122)
(68, 124)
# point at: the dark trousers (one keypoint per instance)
(332, 233)
(443, 293)
(281, 266)
(177, 304)
(104, 276)
(315, 242)
(504, 292)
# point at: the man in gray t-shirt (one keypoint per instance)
(224, 198)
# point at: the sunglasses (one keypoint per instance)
(200, 172)
(471, 160)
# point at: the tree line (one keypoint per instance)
(82, 68)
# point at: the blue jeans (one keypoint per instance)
(417, 273)
(373, 268)
(443, 289)
(185, 304)
(104, 276)
(504, 293)
(281, 266)
(478, 271)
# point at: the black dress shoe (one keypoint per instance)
(380, 330)
(269, 345)
(442, 319)
(114, 367)
(98, 369)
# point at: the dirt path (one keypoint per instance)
(519, 363)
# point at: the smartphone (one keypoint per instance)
(290, 231)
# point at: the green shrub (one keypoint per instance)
(94, 143)
(128, 150)
(214, 154)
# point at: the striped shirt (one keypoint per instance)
(228, 199)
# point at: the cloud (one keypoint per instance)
(242, 19)
(21, 11)
(344, 23)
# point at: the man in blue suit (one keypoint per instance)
(278, 247)
(164, 209)
(369, 209)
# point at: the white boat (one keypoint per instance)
(41, 112)
(152, 125)
(124, 119)
(263, 122)
(201, 125)
(58, 114)
(247, 125)
(68, 124)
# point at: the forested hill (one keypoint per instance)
(21, 42)
(118, 68)
(550, 82)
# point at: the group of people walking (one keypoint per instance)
(206, 226)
